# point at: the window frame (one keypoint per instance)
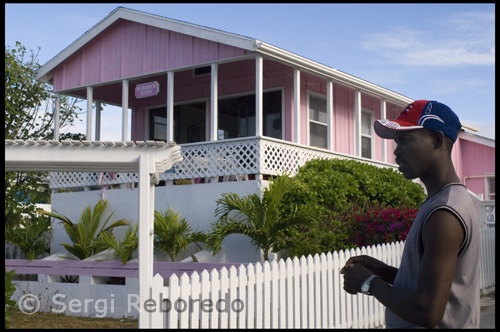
(371, 136)
(309, 120)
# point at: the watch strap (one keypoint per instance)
(368, 283)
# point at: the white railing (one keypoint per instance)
(232, 159)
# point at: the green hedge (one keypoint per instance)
(335, 187)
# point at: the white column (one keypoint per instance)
(383, 115)
(89, 113)
(357, 123)
(214, 103)
(259, 76)
(146, 231)
(124, 110)
(296, 105)
(329, 115)
(97, 120)
(170, 106)
(57, 113)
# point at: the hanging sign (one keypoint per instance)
(147, 90)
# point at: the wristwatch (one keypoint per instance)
(365, 287)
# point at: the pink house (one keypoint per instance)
(240, 108)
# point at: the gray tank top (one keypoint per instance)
(462, 309)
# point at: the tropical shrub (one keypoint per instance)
(173, 234)
(262, 218)
(125, 248)
(86, 235)
(378, 224)
(335, 188)
(31, 236)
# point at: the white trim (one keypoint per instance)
(296, 105)
(170, 106)
(477, 139)
(259, 95)
(371, 114)
(309, 121)
(214, 102)
(90, 98)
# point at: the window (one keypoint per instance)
(189, 123)
(318, 126)
(366, 134)
(158, 124)
(490, 191)
(237, 116)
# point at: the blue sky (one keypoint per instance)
(443, 52)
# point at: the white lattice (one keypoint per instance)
(236, 157)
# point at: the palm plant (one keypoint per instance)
(125, 248)
(86, 235)
(263, 219)
(173, 234)
(31, 236)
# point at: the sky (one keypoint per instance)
(443, 52)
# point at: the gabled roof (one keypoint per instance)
(44, 74)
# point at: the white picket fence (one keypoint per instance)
(299, 293)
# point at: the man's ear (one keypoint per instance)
(438, 139)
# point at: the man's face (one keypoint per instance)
(413, 152)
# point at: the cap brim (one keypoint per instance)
(389, 128)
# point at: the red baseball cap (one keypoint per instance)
(421, 114)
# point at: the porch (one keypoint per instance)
(238, 159)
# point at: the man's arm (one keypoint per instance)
(443, 235)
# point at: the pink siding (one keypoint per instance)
(476, 159)
(129, 49)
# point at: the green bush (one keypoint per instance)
(9, 291)
(336, 187)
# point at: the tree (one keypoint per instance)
(28, 115)
(86, 234)
(262, 218)
(173, 234)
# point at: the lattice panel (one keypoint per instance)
(213, 159)
(216, 159)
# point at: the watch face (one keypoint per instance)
(365, 288)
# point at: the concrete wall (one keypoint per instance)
(195, 203)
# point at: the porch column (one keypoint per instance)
(259, 75)
(357, 123)
(57, 112)
(89, 112)
(383, 115)
(124, 110)
(170, 106)
(329, 115)
(296, 105)
(214, 104)
(98, 120)
(146, 231)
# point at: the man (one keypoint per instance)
(437, 282)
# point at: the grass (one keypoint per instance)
(42, 320)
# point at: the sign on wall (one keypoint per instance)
(147, 90)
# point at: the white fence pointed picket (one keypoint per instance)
(206, 305)
(214, 297)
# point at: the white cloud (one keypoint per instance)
(461, 39)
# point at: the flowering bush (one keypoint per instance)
(377, 225)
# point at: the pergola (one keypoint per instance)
(146, 158)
